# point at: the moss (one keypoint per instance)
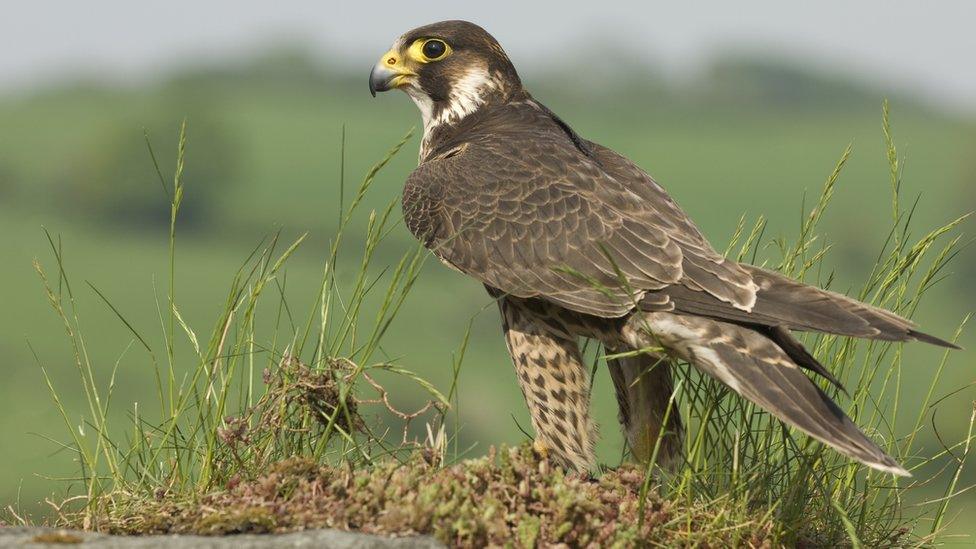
(245, 519)
(504, 498)
(528, 531)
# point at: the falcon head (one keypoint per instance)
(449, 69)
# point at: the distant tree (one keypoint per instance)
(769, 81)
(113, 181)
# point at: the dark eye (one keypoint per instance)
(434, 49)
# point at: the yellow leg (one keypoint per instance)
(644, 386)
(555, 383)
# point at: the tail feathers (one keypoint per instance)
(758, 369)
(784, 302)
(932, 340)
(804, 307)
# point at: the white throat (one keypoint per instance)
(467, 94)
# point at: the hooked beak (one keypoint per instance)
(388, 73)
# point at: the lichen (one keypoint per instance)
(57, 537)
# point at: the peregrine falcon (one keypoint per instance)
(575, 241)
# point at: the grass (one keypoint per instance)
(280, 419)
(736, 451)
(283, 140)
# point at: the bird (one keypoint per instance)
(576, 242)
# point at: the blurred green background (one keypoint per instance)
(749, 135)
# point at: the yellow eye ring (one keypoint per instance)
(427, 50)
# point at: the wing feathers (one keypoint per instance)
(521, 198)
(758, 369)
(520, 206)
(799, 354)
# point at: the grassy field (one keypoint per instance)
(267, 157)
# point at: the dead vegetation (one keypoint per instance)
(304, 407)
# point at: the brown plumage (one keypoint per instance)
(577, 241)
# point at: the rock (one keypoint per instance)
(49, 537)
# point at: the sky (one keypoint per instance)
(923, 47)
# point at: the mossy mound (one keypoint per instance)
(506, 498)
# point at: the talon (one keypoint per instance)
(540, 449)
